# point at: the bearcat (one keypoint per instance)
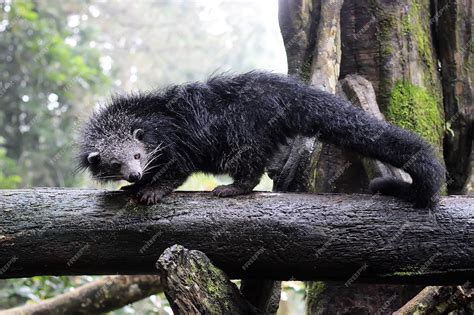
(234, 124)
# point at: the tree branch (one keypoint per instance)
(262, 235)
(100, 296)
(439, 300)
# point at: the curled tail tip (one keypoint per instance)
(405, 191)
(391, 187)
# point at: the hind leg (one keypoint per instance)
(245, 181)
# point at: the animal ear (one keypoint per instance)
(93, 157)
(138, 134)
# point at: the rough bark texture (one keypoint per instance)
(390, 44)
(263, 294)
(454, 41)
(262, 235)
(291, 168)
(100, 296)
(327, 55)
(440, 300)
(194, 286)
(298, 23)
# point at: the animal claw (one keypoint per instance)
(228, 191)
(150, 196)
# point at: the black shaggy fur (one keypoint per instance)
(234, 124)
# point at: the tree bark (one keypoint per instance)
(440, 300)
(352, 175)
(263, 294)
(262, 235)
(453, 38)
(100, 296)
(194, 286)
(390, 44)
(291, 168)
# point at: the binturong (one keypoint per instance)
(234, 124)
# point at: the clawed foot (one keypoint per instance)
(229, 191)
(150, 195)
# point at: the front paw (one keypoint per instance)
(150, 196)
(229, 191)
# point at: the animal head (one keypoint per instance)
(128, 139)
(113, 143)
(115, 155)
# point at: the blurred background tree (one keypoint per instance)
(47, 70)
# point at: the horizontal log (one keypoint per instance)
(263, 235)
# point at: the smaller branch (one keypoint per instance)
(100, 296)
(194, 286)
(439, 300)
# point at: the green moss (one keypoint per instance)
(316, 288)
(314, 292)
(414, 108)
(215, 285)
(419, 30)
(305, 71)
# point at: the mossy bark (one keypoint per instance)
(414, 108)
(391, 45)
(193, 285)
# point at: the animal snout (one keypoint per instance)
(134, 177)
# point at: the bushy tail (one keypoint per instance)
(345, 125)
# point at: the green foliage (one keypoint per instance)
(9, 177)
(46, 69)
(414, 108)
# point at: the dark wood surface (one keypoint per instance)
(263, 235)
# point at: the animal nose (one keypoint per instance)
(134, 177)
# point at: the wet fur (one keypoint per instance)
(234, 124)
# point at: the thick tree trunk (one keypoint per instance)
(263, 235)
(453, 36)
(390, 44)
(352, 176)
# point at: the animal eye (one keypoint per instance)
(137, 156)
(93, 158)
(138, 134)
(115, 164)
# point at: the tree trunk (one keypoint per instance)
(263, 294)
(396, 46)
(453, 37)
(261, 236)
